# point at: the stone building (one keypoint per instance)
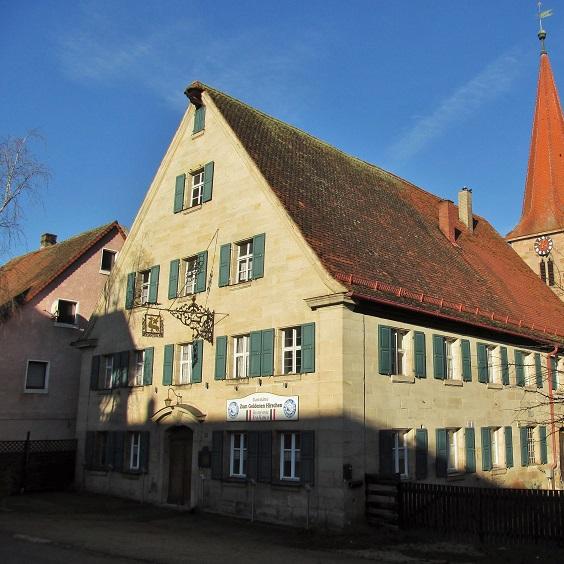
(46, 299)
(360, 325)
(538, 238)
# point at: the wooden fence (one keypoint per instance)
(490, 514)
(36, 465)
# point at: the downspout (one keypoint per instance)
(554, 464)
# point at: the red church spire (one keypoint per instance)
(543, 204)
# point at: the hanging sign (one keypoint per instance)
(263, 407)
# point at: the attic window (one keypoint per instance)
(108, 260)
(199, 119)
(66, 312)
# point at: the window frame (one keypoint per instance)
(295, 456)
(196, 192)
(401, 355)
(135, 377)
(134, 451)
(55, 310)
(106, 372)
(454, 344)
(242, 450)
(293, 349)
(189, 278)
(529, 369)
(113, 253)
(497, 447)
(493, 369)
(244, 259)
(453, 449)
(531, 446)
(182, 363)
(142, 287)
(245, 354)
(45, 388)
(397, 447)
(100, 450)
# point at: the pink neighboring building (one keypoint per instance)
(46, 299)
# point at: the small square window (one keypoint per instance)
(36, 376)
(66, 312)
(108, 260)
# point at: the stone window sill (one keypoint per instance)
(236, 381)
(198, 134)
(192, 209)
(531, 388)
(494, 386)
(402, 379)
(240, 285)
(453, 383)
(498, 471)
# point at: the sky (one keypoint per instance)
(439, 92)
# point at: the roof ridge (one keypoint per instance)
(203, 86)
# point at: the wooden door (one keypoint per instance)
(180, 466)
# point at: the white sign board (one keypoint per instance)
(263, 407)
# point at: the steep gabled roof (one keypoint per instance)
(25, 276)
(543, 204)
(379, 234)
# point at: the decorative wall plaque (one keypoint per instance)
(153, 325)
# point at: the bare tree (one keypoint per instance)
(22, 177)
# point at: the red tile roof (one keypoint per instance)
(25, 276)
(367, 225)
(543, 204)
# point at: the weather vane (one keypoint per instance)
(542, 14)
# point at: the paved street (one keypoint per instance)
(53, 528)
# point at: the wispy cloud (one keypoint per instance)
(164, 59)
(487, 85)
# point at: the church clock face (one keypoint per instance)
(543, 246)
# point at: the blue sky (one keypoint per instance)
(438, 92)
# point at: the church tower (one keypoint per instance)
(538, 238)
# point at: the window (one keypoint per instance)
(547, 271)
(529, 367)
(530, 446)
(66, 312)
(534, 448)
(185, 364)
(399, 352)
(241, 356)
(290, 456)
(292, 350)
(245, 261)
(199, 119)
(197, 190)
(453, 462)
(238, 455)
(399, 453)
(495, 439)
(37, 376)
(190, 268)
(451, 371)
(106, 373)
(136, 374)
(100, 455)
(142, 287)
(490, 364)
(108, 260)
(134, 449)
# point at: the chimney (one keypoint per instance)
(447, 220)
(48, 240)
(465, 208)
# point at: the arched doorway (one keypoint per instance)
(180, 441)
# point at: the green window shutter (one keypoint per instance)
(94, 372)
(384, 350)
(148, 366)
(486, 448)
(144, 451)
(543, 445)
(224, 264)
(504, 366)
(519, 368)
(255, 353)
(267, 356)
(217, 455)
(524, 446)
(482, 364)
(252, 438)
(168, 365)
(220, 358)
(554, 373)
(258, 255)
(439, 357)
(470, 445)
(119, 440)
(89, 448)
(442, 453)
(173, 279)
(109, 449)
(420, 354)
(197, 360)
(421, 446)
(308, 347)
(130, 292)
(508, 447)
(179, 193)
(385, 451)
(199, 119)
(264, 473)
(124, 367)
(154, 284)
(466, 360)
(538, 370)
(202, 272)
(208, 182)
(307, 457)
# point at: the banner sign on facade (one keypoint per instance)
(263, 407)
